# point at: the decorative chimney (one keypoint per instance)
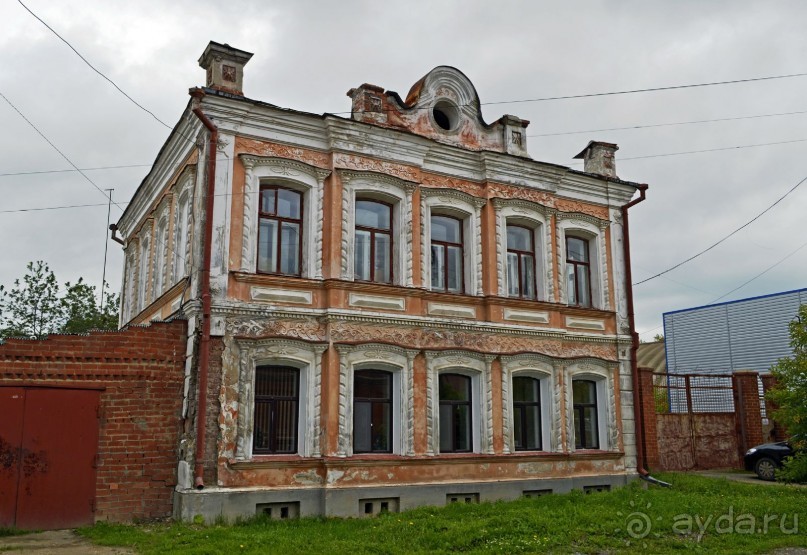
(225, 67)
(599, 158)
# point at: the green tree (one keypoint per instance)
(790, 393)
(34, 307)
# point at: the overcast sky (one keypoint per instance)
(308, 54)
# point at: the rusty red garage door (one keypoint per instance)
(48, 446)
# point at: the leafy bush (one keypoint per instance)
(794, 469)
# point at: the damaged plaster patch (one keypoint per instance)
(309, 477)
(334, 476)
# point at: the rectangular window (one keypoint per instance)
(520, 262)
(527, 413)
(373, 242)
(277, 398)
(447, 254)
(455, 413)
(372, 411)
(279, 231)
(586, 429)
(578, 271)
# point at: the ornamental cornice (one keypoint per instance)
(283, 166)
(500, 203)
(351, 175)
(376, 350)
(458, 356)
(440, 193)
(527, 358)
(580, 217)
(279, 346)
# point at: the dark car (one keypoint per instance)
(766, 458)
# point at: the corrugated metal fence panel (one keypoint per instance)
(759, 331)
(697, 340)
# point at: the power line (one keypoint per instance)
(711, 150)
(93, 67)
(648, 126)
(53, 208)
(73, 170)
(746, 224)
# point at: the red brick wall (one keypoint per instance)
(746, 394)
(141, 371)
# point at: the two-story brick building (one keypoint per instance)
(385, 310)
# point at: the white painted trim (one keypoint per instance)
(526, 316)
(377, 301)
(451, 310)
(270, 294)
(585, 323)
(535, 217)
(603, 376)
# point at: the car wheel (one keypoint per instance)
(766, 468)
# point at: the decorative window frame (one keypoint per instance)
(468, 209)
(602, 374)
(378, 356)
(144, 253)
(129, 282)
(385, 188)
(183, 201)
(537, 218)
(162, 246)
(307, 179)
(479, 368)
(307, 357)
(545, 369)
(593, 230)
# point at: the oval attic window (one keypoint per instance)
(445, 115)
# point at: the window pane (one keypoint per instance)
(519, 238)
(268, 201)
(383, 252)
(362, 438)
(288, 204)
(571, 284)
(361, 264)
(260, 440)
(576, 249)
(373, 214)
(446, 427)
(267, 255)
(512, 275)
(445, 229)
(381, 427)
(454, 268)
(276, 382)
(438, 268)
(590, 437)
(526, 390)
(286, 426)
(290, 249)
(462, 427)
(532, 427)
(518, 429)
(584, 392)
(373, 384)
(455, 387)
(528, 271)
(583, 286)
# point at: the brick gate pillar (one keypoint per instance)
(746, 409)
(648, 418)
(778, 432)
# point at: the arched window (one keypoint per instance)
(181, 233)
(527, 413)
(160, 254)
(455, 413)
(372, 411)
(447, 254)
(143, 274)
(280, 232)
(373, 241)
(520, 262)
(277, 397)
(578, 271)
(586, 425)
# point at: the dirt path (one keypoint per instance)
(58, 542)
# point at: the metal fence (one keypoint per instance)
(693, 393)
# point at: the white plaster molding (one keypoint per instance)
(377, 301)
(296, 175)
(583, 225)
(378, 356)
(258, 293)
(542, 368)
(602, 374)
(534, 316)
(451, 310)
(585, 323)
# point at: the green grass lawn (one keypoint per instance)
(697, 514)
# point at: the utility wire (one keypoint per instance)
(746, 224)
(72, 170)
(711, 150)
(648, 126)
(53, 208)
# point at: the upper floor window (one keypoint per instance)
(527, 413)
(455, 413)
(181, 233)
(586, 426)
(160, 254)
(373, 241)
(277, 398)
(143, 274)
(447, 254)
(578, 271)
(280, 231)
(372, 411)
(520, 262)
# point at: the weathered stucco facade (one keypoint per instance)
(431, 161)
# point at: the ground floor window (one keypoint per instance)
(277, 399)
(586, 428)
(455, 413)
(372, 411)
(527, 413)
